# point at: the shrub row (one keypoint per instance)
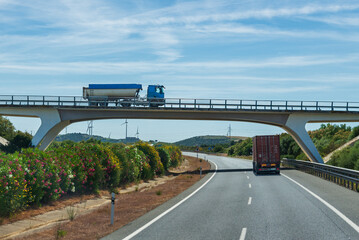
(34, 177)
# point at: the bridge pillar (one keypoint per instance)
(51, 126)
(295, 126)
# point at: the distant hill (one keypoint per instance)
(208, 140)
(78, 137)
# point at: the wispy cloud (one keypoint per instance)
(143, 67)
(335, 20)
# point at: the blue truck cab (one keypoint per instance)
(155, 91)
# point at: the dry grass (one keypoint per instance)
(128, 207)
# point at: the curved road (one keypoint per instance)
(237, 204)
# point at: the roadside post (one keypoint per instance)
(200, 172)
(112, 207)
(197, 149)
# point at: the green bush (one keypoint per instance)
(130, 168)
(14, 189)
(175, 155)
(244, 148)
(346, 158)
(354, 133)
(153, 158)
(165, 157)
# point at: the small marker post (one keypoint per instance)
(200, 172)
(112, 207)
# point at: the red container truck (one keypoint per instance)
(266, 154)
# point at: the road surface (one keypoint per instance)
(236, 204)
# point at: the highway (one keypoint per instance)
(237, 204)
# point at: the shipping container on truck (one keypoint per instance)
(266, 154)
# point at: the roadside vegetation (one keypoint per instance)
(33, 177)
(30, 177)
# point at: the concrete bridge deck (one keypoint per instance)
(57, 112)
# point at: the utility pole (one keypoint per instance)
(229, 132)
(137, 134)
(126, 128)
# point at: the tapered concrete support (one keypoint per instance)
(51, 123)
(51, 126)
(295, 126)
(50, 135)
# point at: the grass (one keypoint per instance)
(60, 233)
(71, 212)
(159, 193)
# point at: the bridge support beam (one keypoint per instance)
(51, 126)
(51, 123)
(295, 126)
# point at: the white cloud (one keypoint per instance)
(342, 21)
(153, 66)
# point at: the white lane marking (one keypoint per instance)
(336, 211)
(247, 177)
(243, 234)
(170, 209)
(250, 185)
(250, 201)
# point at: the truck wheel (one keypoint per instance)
(126, 104)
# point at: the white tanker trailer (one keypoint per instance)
(123, 94)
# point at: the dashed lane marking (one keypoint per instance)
(243, 234)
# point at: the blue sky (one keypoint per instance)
(276, 50)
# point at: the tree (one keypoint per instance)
(7, 129)
(354, 133)
(21, 140)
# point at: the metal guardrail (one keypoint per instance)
(182, 103)
(342, 176)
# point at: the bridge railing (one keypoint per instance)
(342, 176)
(182, 103)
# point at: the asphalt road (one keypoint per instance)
(237, 204)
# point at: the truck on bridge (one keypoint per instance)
(123, 95)
(266, 154)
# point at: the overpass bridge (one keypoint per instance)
(57, 112)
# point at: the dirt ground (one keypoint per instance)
(128, 206)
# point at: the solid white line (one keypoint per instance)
(243, 234)
(250, 201)
(170, 209)
(336, 211)
(250, 185)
